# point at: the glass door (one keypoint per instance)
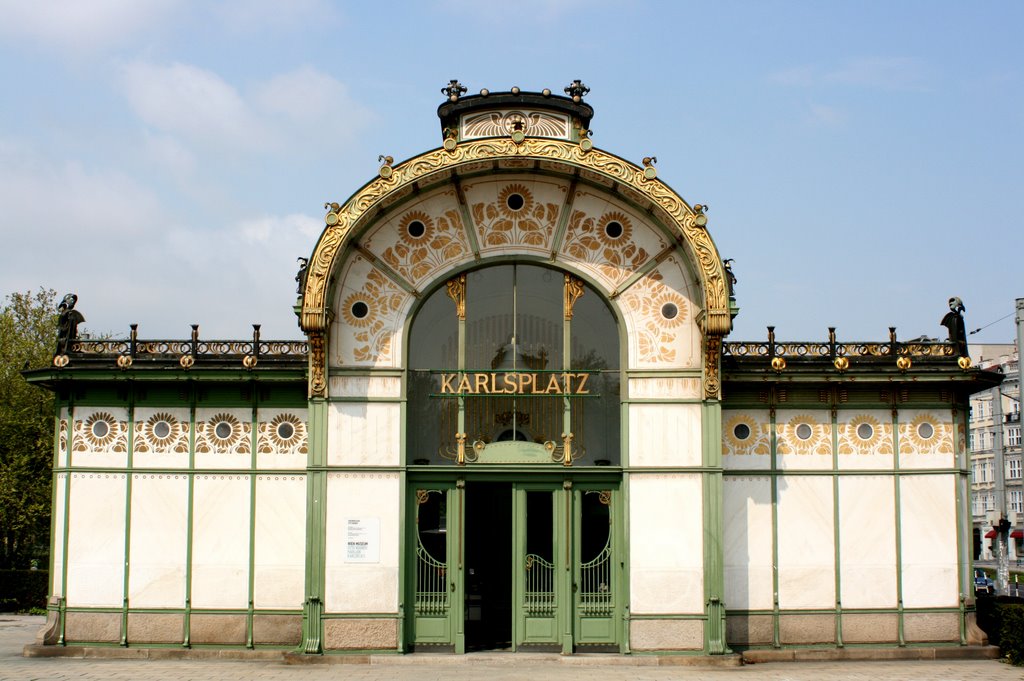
(598, 578)
(540, 568)
(436, 576)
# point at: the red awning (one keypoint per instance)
(990, 534)
(1017, 534)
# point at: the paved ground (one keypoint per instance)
(16, 631)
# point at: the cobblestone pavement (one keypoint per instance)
(16, 631)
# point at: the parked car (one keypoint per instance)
(983, 583)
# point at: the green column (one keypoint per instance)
(316, 520)
(714, 527)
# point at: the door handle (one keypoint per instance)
(453, 587)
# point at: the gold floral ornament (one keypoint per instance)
(744, 434)
(100, 431)
(865, 434)
(925, 434)
(370, 313)
(515, 218)
(659, 311)
(284, 434)
(804, 435)
(162, 432)
(606, 243)
(426, 244)
(223, 433)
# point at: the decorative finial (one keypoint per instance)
(954, 323)
(385, 170)
(68, 319)
(577, 90)
(454, 90)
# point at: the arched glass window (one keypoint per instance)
(514, 364)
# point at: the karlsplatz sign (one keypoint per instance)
(514, 383)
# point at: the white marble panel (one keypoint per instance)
(282, 438)
(746, 439)
(436, 243)
(280, 550)
(867, 541)
(374, 338)
(57, 540)
(161, 438)
(664, 435)
(926, 438)
(96, 515)
(865, 439)
(100, 437)
(613, 256)
(362, 587)
(220, 541)
(928, 535)
(366, 386)
(666, 531)
(671, 387)
(660, 314)
(159, 526)
(747, 542)
(234, 449)
(803, 439)
(364, 434)
(806, 542)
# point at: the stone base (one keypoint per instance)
(870, 628)
(835, 654)
(803, 629)
(360, 634)
(278, 630)
(224, 629)
(657, 635)
(929, 627)
(155, 628)
(92, 627)
(749, 630)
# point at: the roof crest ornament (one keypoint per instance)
(577, 90)
(454, 90)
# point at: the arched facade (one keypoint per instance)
(609, 233)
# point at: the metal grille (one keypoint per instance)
(539, 595)
(596, 584)
(431, 583)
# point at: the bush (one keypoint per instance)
(1011, 632)
(23, 589)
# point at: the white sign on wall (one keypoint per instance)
(362, 540)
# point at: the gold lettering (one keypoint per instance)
(446, 383)
(553, 386)
(510, 383)
(583, 381)
(535, 386)
(494, 384)
(481, 383)
(465, 386)
(523, 380)
(567, 383)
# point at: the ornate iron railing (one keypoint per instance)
(596, 598)
(431, 584)
(832, 349)
(539, 594)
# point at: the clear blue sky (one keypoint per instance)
(168, 161)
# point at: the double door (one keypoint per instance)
(515, 566)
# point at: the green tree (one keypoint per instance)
(27, 336)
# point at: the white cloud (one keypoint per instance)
(78, 25)
(192, 102)
(828, 115)
(299, 112)
(879, 73)
(252, 16)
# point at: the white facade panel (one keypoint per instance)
(806, 542)
(664, 435)
(282, 439)
(96, 540)
(355, 586)
(803, 439)
(867, 541)
(747, 542)
(928, 535)
(666, 531)
(161, 438)
(220, 541)
(57, 538)
(156, 572)
(865, 439)
(280, 550)
(364, 434)
(223, 438)
(926, 438)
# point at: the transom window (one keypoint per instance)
(514, 363)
